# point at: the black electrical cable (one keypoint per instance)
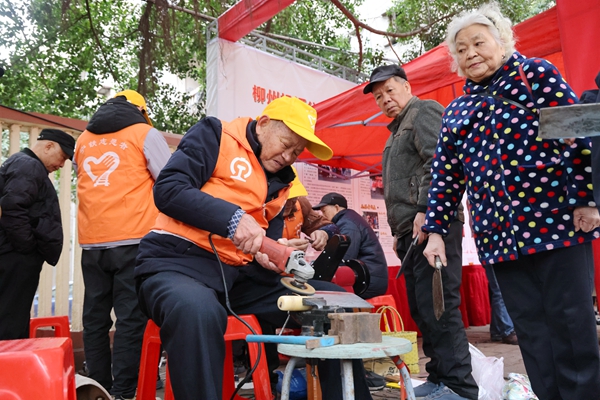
(259, 354)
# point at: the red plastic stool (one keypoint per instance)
(381, 301)
(37, 369)
(146, 389)
(59, 323)
(236, 330)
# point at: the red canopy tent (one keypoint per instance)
(356, 131)
(351, 124)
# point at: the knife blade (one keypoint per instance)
(437, 290)
(579, 120)
(409, 252)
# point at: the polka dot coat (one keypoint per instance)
(521, 190)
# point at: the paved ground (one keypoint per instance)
(478, 336)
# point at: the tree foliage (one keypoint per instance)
(59, 53)
(407, 14)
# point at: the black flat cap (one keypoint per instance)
(66, 141)
(383, 73)
(331, 199)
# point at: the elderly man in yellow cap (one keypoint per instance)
(117, 159)
(221, 192)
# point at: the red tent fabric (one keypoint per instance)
(351, 124)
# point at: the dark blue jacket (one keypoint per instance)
(364, 246)
(177, 194)
(587, 97)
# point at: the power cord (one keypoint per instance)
(259, 354)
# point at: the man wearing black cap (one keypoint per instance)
(30, 226)
(364, 244)
(406, 166)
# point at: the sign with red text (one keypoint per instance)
(241, 81)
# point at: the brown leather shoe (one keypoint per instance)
(511, 339)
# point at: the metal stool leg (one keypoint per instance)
(287, 378)
(347, 380)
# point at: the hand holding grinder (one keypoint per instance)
(290, 261)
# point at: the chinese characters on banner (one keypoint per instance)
(261, 95)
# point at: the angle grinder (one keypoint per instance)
(290, 261)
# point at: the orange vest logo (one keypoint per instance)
(103, 166)
(240, 168)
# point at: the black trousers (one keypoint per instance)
(19, 279)
(109, 283)
(444, 341)
(548, 295)
(193, 321)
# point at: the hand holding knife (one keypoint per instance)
(437, 289)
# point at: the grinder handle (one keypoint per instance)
(292, 303)
(278, 254)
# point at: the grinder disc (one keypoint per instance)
(302, 288)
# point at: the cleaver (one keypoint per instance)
(579, 120)
(437, 290)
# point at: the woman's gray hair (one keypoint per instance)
(489, 15)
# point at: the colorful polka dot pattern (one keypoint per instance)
(521, 190)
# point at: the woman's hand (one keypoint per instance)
(435, 247)
(299, 244)
(586, 219)
(319, 239)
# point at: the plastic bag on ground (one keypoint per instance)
(488, 373)
(518, 387)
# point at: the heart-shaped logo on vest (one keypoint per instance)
(104, 166)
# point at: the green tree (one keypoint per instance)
(407, 14)
(59, 52)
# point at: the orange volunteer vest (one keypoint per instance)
(292, 224)
(239, 179)
(114, 186)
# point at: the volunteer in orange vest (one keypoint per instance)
(299, 217)
(220, 193)
(117, 159)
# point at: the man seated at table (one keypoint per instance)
(220, 193)
(364, 244)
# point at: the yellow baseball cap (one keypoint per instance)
(297, 188)
(301, 119)
(137, 100)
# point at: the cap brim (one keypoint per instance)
(369, 88)
(315, 146)
(68, 151)
(147, 118)
(318, 206)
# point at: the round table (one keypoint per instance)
(389, 347)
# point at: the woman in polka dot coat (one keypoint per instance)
(530, 201)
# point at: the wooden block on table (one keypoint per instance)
(355, 327)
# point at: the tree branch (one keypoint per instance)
(97, 39)
(360, 47)
(414, 32)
